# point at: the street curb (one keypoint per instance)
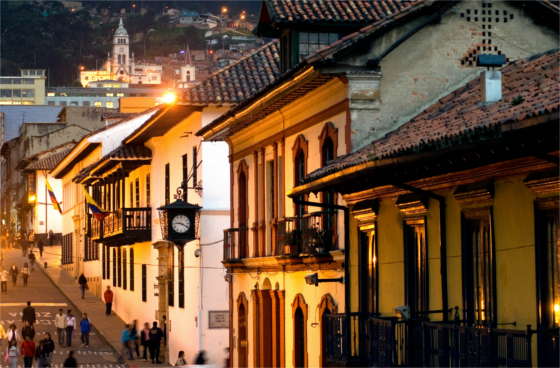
(101, 333)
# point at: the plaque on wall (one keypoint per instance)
(218, 319)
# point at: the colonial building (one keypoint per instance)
(121, 65)
(348, 79)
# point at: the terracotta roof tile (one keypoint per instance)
(48, 163)
(461, 113)
(116, 115)
(130, 152)
(240, 80)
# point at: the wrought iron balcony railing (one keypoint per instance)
(128, 224)
(236, 243)
(288, 236)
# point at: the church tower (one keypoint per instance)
(121, 61)
(188, 69)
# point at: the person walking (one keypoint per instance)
(14, 272)
(108, 296)
(2, 336)
(60, 323)
(13, 334)
(156, 334)
(145, 341)
(4, 280)
(51, 237)
(13, 353)
(31, 240)
(45, 351)
(70, 362)
(70, 326)
(32, 259)
(83, 284)
(201, 358)
(181, 360)
(41, 246)
(125, 340)
(24, 245)
(28, 350)
(29, 314)
(134, 337)
(25, 274)
(85, 329)
(28, 331)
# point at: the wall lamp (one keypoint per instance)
(314, 279)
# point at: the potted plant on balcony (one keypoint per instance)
(292, 242)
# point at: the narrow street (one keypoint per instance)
(47, 299)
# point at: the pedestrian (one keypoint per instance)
(164, 330)
(125, 340)
(45, 351)
(13, 334)
(4, 280)
(28, 331)
(70, 362)
(156, 334)
(181, 360)
(70, 326)
(41, 246)
(2, 336)
(227, 360)
(201, 358)
(32, 259)
(85, 329)
(108, 296)
(145, 341)
(51, 237)
(60, 323)
(14, 272)
(13, 353)
(28, 350)
(83, 284)
(29, 314)
(25, 274)
(134, 337)
(31, 240)
(24, 245)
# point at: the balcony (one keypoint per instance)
(390, 342)
(123, 227)
(288, 236)
(235, 245)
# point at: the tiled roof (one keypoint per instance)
(240, 80)
(48, 163)
(460, 116)
(299, 11)
(125, 152)
(117, 115)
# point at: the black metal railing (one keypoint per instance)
(112, 224)
(137, 219)
(317, 235)
(392, 342)
(288, 236)
(127, 221)
(96, 229)
(236, 243)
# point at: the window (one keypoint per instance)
(109, 104)
(28, 81)
(32, 72)
(27, 93)
(119, 265)
(478, 266)
(185, 167)
(124, 59)
(310, 42)
(144, 283)
(86, 78)
(131, 269)
(109, 94)
(5, 93)
(104, 263)
(368, 280)
(25, 72)
(120, 94)
(119, 59)
(181, 256)
(62, 103)
(85, 104)
(280, 188)
(114, 267)
(67, 249)
(16, 81)
(39, 72)
(300, 170)
(124, 268)
(194, 166)
(416, 264)
(50, 94)
(50, 103)
(97, 104)
(137, 192)
(131, 195)
(16, 92)
(171, 281)
(148, 199)
(167, 191)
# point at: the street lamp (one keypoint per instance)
(133, 6)
(80, 69)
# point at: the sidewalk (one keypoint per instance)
(109, 327)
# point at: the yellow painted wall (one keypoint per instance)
(136, 104)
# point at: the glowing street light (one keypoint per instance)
(224, 10)
(169, 98)
(32, 198)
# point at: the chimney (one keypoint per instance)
(491, 80)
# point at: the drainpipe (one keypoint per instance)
(346, 262)
(442, 239)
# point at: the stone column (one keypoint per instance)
(163, 308)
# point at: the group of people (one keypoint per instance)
(25, 240)
(14, 272)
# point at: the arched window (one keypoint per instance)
(299, 316)
(328, 141)
(242, 324)
(326, 308)
(124, 59)
(119, 57)
(299, 159)
(242, 208)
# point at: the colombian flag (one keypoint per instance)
(55, 204)
(98, 212)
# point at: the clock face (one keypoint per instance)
(181, 224)
(121, 49)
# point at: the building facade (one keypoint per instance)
(28, 89)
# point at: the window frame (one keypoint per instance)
(416, 277)
(124, 270)
(144, 283)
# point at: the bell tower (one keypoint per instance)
(121, 46)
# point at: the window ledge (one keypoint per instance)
(260, 261)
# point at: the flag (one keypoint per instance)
(55, 204)
(98, 212)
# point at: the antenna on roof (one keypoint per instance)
(23, 117)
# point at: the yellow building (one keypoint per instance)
(29, 89)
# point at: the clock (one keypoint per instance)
(121, 49)
(181, 224)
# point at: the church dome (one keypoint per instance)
(121, 31)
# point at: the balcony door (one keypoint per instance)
(368, 280)
(242, 347)
(242, 211)
(416, 264)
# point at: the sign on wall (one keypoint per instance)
(218, 319)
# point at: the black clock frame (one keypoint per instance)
(179, 207)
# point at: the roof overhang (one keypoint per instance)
(536, 137)
(282, 93)
(78, 153)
